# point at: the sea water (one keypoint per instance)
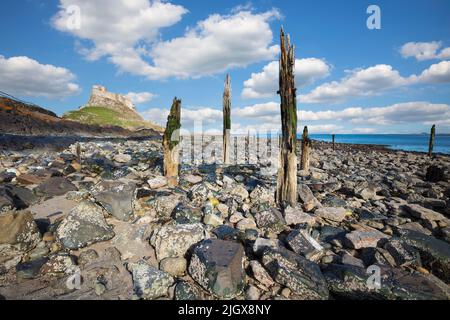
(406, 142)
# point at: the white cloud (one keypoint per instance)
(119, 29)
(140, 97)
(424, 50)
(126, 31)
(189, 116)
(436, 73)
(359, 82)
(216, 44)
(374, 81)
(265, 83)
(266, 117)
(27, 77)
(409, 112)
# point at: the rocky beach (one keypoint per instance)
(97, 219)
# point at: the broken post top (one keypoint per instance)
(227, 104)
(173, 124)
(305, 132)
(287, 92)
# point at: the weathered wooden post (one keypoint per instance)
(306, 150)
(236, 150)
(226, 120)
(333, 138)
(431, 145)
(171, 143)
(78, 151)
(247, 148)
(287, 173)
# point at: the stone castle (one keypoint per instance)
(101, 97)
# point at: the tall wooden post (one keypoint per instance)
(287, 173)
(171, 143)
(431, 144)
(306, 150)
(226, 120)
(333, 138)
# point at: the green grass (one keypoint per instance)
(106, 117)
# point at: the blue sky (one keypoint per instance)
(351, 79)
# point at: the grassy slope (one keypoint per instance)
(107, 117)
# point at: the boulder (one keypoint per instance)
(19, 229)
(435, 253)
(332, 213)
(364, 238)
(296, 216)
(148, 282)
(302, 243)
(297, 273)
(217, 265)
(270, 220)
(116, 197)
(351, 282)
(171, 241)
(84, 225)
(55, 186)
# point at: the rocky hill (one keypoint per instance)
(22, 118)
(107, 108)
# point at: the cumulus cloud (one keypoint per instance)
(140, 97)
(265, 83)
(189, 116)
(26, 77)
(216, 44)
(437, 73)
(425, 50)
(359, 82)
(126, 31)
(266, 117)
(374, 81)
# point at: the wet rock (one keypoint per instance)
(435, 253)
(300, 275)
(302, 243)
(55, 186)
(116, 197)
(217, 266)
(173, 241)
(364, 239)
(148, 282)
(225, 232)
(332, 213)
(31, 269)
(84, 225)
(350, 282)
(435, 174)
(18, 228)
